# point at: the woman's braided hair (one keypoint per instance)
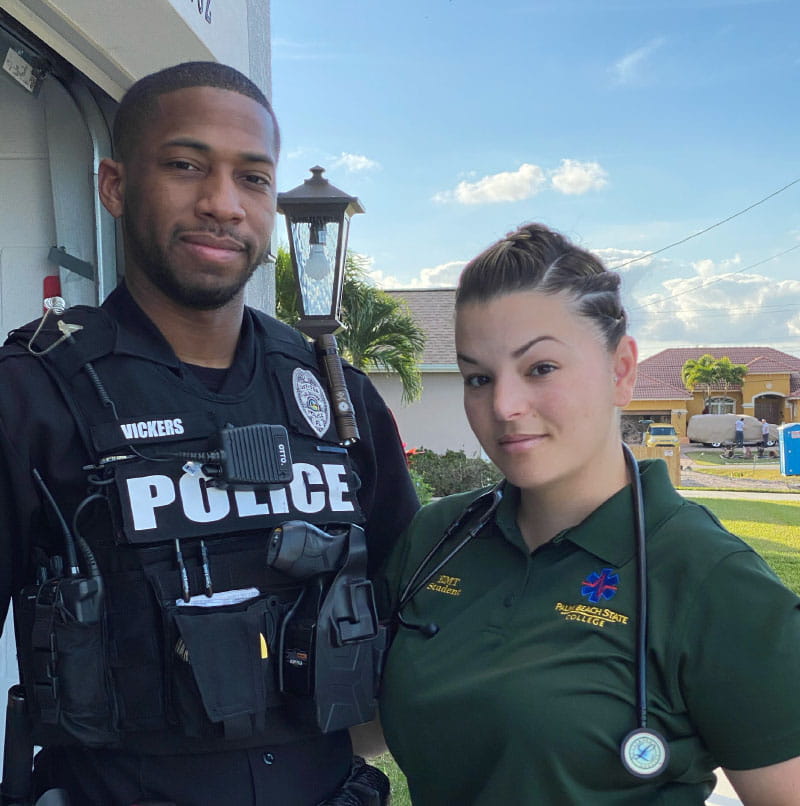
(536, 258)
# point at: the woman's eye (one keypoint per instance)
(476, 380)
(538, 370)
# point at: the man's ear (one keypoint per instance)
(625, 360)
(111, 186)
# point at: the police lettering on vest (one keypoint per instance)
(156, 506)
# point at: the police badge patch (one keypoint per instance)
(311, 400)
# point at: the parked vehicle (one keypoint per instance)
(720, 429)
(660, 435)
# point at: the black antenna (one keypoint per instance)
(69, 542)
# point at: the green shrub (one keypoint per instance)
(452, 471)
(424, 491)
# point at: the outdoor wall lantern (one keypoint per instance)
(318, 221)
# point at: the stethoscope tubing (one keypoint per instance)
(641, 583)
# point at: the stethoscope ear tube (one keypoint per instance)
(415, 584)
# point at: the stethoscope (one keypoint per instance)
(644, 752)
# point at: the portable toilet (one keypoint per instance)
(789, 441)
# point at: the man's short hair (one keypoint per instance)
(138, 105)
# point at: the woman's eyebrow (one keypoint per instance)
(518, 353)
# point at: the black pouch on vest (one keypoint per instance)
(221, 670)
(66, 666)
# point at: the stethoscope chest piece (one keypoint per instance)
(645, 753)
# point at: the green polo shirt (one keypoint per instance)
(528, 688)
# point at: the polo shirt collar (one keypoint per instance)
(608, 532)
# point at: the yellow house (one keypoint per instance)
(770, 390)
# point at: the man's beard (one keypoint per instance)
(154, 263)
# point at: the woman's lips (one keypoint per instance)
(513, 443)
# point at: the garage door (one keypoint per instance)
(27, 229)
(47, 153)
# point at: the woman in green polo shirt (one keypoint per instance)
(519, 673)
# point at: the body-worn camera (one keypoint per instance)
(331, 644)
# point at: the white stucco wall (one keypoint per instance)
(437, 421)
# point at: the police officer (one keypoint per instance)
(151, 628)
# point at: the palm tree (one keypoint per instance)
(286, 306)
(700, 373)
(729, 374)
(378, 333)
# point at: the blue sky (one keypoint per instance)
(628, 125)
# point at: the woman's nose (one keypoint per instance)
(510, 399)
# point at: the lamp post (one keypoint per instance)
(318, 222)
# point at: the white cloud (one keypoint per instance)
(707, 269)
(627, 70)
(713, 305)
(613, 258)
(443, 276)
(573, 177)
(506, 186)
(355, 163)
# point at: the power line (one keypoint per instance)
(707, 229)
(716, 313)
(719, 279)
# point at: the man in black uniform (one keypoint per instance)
(166, 653)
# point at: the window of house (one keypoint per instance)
(721, 405)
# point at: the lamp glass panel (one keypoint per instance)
(315, 249)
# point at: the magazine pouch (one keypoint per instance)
(65, 665)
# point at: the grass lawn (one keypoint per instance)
(748, 471)
(400, 796)
(771, 528)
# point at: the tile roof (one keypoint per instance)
(432, 309)
(649, 387)
(665, 367)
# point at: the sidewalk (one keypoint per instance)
(756, 495)
(723, 794)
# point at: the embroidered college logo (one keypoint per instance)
(311, 400)
(588, 614)
(600, 585)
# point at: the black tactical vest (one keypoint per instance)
(183, 655)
